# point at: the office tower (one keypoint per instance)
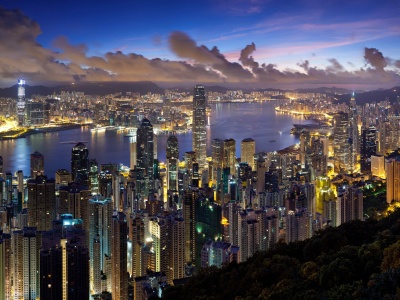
(94, 176)
(119, 257)
(26, 244)
(132, 152)
(248, 149)
(145, 159)
(172, 174)
(298, 226)
(37, 164)
(207, 217)
(80, 164)
(73, 199)
(41, 202)
(172, 147)
(368, 148)
(63, 177)
(189, 202)
(342, 147)
(137, 240)
(353, 135)
(393, 178)
(330, 212)
(349, 204)
(9, 187)
(199, 143)
(229, 160)
(5, 266)
(21, 102)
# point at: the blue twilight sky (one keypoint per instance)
(263, 43)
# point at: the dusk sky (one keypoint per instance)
(260, 43)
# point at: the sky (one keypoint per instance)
(253, 43)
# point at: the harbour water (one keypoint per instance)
(270, 130)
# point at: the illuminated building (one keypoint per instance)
(229, 159)
(72, 200)
(189, 202)
(26, 244)
(37, 164)
(323, 193)
(368, 148)
(172, 147)
(342, 146)
(218, 254)
(349, 204)
(80, 164)
(248, 232)
(393, 179)
(248, 149)
(41, 202)
(119, 257)
(145, 159)
(5, 266)
(199, 125)
(93, 176)
(21, 102)
(353, 135)
(378, 166)
(207, 216)
(298, 226)
(63, 177)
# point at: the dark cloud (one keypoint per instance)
(22, 55)
(375, 58)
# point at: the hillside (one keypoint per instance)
(358, 260)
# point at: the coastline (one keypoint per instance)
(27, 132)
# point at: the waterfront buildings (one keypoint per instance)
(37, 164)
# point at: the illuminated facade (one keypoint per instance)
(342, 146)
(80, 164)
(145, 159)
(229, 159)
(323, 193)
(199, 125)
(393, 179)
(21, 102)
(354, 143)
(248, 149)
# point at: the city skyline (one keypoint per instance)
(255, 44)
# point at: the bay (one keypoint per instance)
(270, 130)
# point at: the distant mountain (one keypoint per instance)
(326, 90)
(377, 95)
(90, 88)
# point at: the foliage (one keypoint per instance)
(358, 260)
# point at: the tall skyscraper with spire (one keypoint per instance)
(145, 158)
(353, 134)
(21, 102)
(199, 125)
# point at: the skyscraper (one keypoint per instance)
(80, 164)
(21, 102)
(229, 160)
(41, 202)
(353, 135)
(172, 147)
(145, 159)
(119, 257)
(248, 149)
(199, 125)
(393, 179)
(342, 147)
(37, 164)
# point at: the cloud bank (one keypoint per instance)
(22, 55)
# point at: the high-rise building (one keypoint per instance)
(393, 179)
(5, 266)
(41, 202)
(21, 102)
(353, 135)
(80, 164)
(26, 244)
(378, 166)
(172, 147)
(132, 152)
(298, 226)
(199, 143)
(229, 160)
(368, 148)
(349, 204)
(119, 257)
(93, 176)
(145, 159)
(63, 177)
(37, 164)
(248, 149)
(342, 147)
